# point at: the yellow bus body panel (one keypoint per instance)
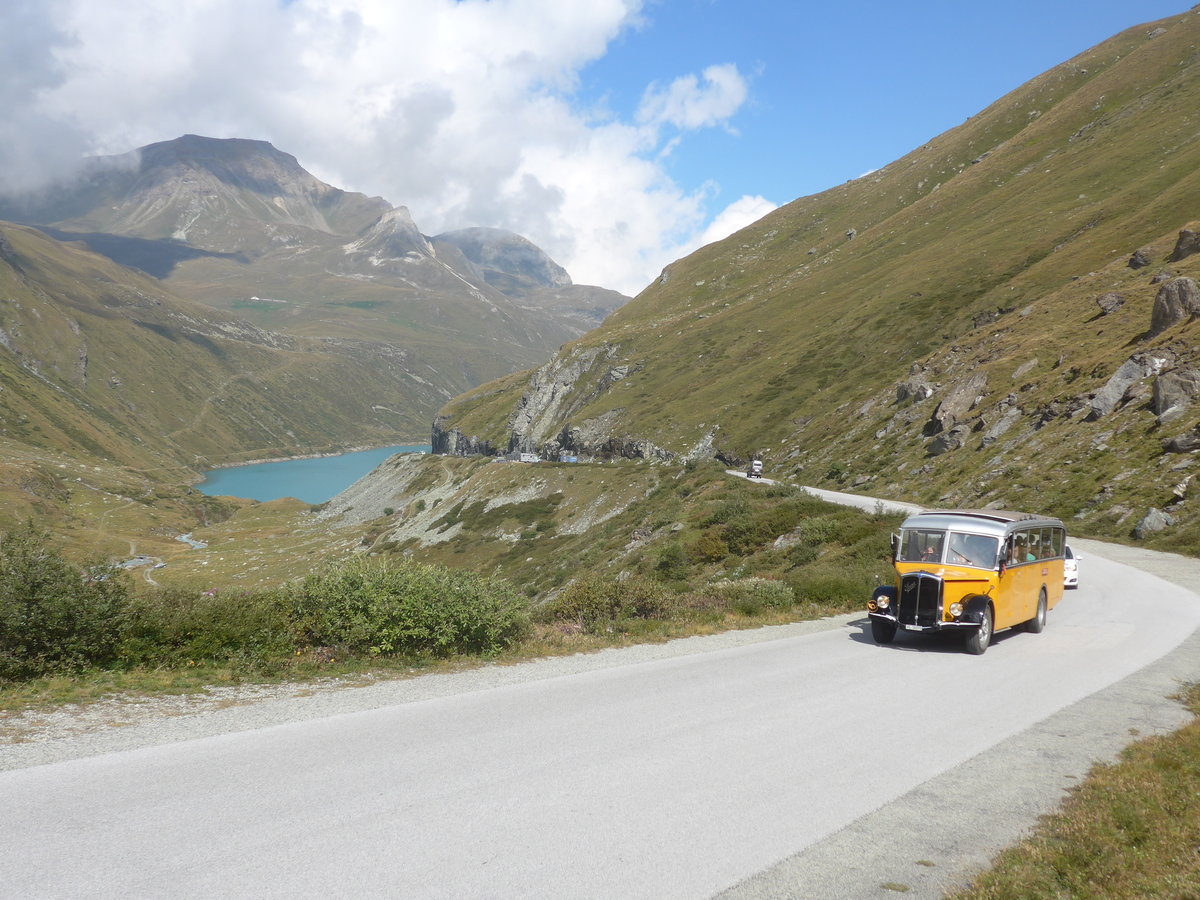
(1014, 594)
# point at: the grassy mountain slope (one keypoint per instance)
(99, 360)
(979, 253)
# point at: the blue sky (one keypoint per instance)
(839, 89)
(618, 135)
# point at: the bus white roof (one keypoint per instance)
(977, 521)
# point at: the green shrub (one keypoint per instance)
(760, 527)
(597, 602)
(728, 509)
(750, 596)
(54, 617)
(178, 627)
(709, 547)
(406, 608)
(834, 586)
(672, 563)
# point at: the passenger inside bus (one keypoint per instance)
(973, 550)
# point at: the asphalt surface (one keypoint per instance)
(803, 761)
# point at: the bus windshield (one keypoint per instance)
(961, 549)
(921, 545)
(976, 550)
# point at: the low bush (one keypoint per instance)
(596, 603)
(708, 546)
(55, 617)
(407, 608)
(837, 586)
(673, 563)
(179, 627)
(750, 596)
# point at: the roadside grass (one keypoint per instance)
(1130, 831)
(694, 552)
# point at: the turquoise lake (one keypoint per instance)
(310, 480)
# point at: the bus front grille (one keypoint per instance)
(920, 600)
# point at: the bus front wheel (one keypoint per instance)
(883, 631)
(978, 640)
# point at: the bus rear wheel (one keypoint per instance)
(1038, 622)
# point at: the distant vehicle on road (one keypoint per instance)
(1071, 568)
(755, 470)
(971, 571)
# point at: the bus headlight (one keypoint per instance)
(956, 609)
(883, 601)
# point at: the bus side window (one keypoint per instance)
(1024, 547)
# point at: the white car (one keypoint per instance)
(1071, 569)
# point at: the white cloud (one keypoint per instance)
(736, 216)
(686, 103)
(462, 111)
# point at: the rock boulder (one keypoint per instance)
(1187, 245)
(1177, 301)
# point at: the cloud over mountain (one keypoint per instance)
(466, 112)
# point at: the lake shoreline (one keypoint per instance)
(212, 467)
(311, 478)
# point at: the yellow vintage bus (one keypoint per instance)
(971, 571)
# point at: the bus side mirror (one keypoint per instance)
(895, 547)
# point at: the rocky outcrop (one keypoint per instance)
(915, 388)
(1154, 521)
(541, 421)
(1175, 391)
(1009, 417)
(1177, 301)
(959, 400)
(1182, 443)
(948, 440)
(1109, 303)
(1139, 260)
(452, 442)
(563, 385)
(1116, 390)
(595, 438)
(1187, 245)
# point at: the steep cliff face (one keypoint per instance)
(552, 396)
(452, 441)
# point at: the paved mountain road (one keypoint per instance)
(803, 761)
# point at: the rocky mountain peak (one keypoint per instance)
(213, 193)
(394, 236)
(507, 260)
